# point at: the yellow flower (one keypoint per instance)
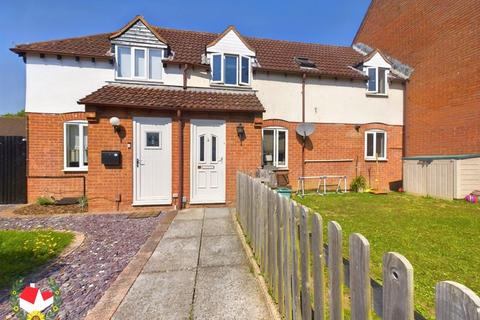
(16, 309)
(57, 293)
(55, 308)
(35, 315)
(14, 292)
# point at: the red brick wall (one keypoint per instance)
(343, 141)
(440, 39)
(45, 157)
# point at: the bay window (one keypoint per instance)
(375, 145)
(275, 147)
(139, 63)
(75, 145)
(230, 69)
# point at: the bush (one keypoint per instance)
(83, 202)
(45, 201)
(358, 184)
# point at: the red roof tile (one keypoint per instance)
(141, 96)
(188, 46)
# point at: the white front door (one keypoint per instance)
(152, 161)
(207, 161)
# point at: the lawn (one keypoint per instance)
(22, 252)
(440, 238)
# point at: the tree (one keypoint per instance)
(20, 113)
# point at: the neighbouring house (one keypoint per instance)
(153, 116)
(13, 126)
(440, 41)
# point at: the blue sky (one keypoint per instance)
(321, 21)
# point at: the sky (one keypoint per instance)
(320, 21)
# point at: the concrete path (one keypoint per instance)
(198, 271)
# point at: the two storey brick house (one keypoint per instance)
(149, 116)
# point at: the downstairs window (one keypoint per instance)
(76, 146)
(275, 147)
(375, 145)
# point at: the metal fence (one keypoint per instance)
(293, 262)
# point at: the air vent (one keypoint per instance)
(305, 62)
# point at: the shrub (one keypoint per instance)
(358, 184)
(45, 201)
(83, 202)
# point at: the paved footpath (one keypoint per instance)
(198, 271)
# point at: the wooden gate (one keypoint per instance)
(13, 177)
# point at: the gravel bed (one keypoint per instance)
(110, 243)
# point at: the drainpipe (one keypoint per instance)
(304, 76)
(180, 145)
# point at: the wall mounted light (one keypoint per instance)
(115, 122)
(241, 132)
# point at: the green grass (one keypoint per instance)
(22, 252)
(440, 238)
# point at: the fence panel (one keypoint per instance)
(279, 232)
(13, 170)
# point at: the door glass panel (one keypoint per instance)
(214, 149)
(85, 145)
(202, 149)
(282, 143)
(153, 139)
(268, 147)
(370, 145)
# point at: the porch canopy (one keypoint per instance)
(173, 98)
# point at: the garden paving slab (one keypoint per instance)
(174, 254)
(215, 213)
(191, 214)
(184, 229)
(228, 292)
(219, 227)
(222, 251)
(149, 299)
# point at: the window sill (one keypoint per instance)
(138, 81)
(375, 160)
(380, 95)
(75, 170)
(232, 86)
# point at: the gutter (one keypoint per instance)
(180, 143)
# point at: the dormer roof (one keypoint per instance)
(134, 21)
(229, 30)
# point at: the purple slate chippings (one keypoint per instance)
(111, 241)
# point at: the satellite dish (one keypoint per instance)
(305, 129)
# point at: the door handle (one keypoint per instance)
(139, 163)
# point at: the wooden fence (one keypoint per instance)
(293, 262)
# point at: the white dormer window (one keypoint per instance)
(230, 69)
(377, 80)
(139, 63)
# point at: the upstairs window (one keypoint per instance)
(76, 146)
(377, 80)
(375, 145)
(139, 63)
(230, 69)
(275, 147)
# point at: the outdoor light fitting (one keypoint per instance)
(241, 132)
(115, 122)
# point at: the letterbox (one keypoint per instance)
(111, 158)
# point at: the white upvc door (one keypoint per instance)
(152, 161)
(207, 161)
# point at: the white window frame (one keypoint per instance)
(132, 64)
(239, 69)
(374, 132)
(376, 92)
(82, 124)
(221, 68)
(275, 146)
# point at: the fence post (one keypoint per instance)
(318, 267)
(455, 301)
(335, 270)
(287, 258)
(360, 291)
(397, 287)
(296, 308)
(265, 231)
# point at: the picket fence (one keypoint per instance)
(293, 261)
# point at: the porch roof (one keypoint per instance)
(173, 98)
